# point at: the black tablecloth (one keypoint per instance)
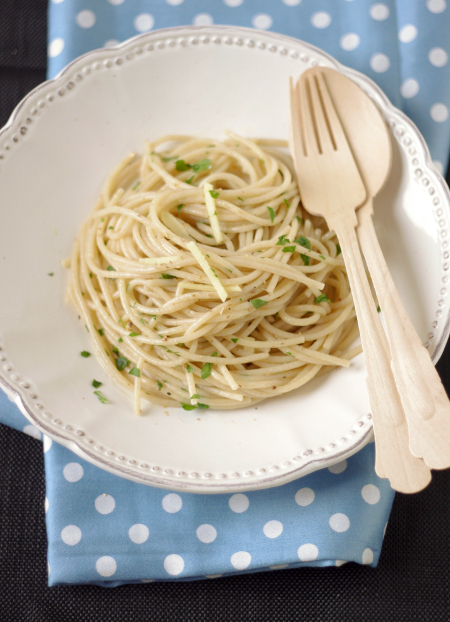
(411, 582)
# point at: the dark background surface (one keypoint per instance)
(411, 582)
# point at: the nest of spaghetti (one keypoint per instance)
(204, 283)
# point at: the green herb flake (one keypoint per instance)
(86, 328)
(305, 258)
(196, 396)
(300, 220)
(338, 249)
(122, 362)
(188, 406)
(101, 397)
(153, 316)
(50, 274)
(181, 166)
(180, 207)
(96, 384)
(160, 386)
(180, 345)
(106, 351)
(271, 214)
(101, 332)
(85, 354)
(116, 351)
(290, 353)
(202, 405)
(136, 185)
(321, 298)
(189, 368)
(282, 240)
(276, 315)
(289, 249)
(257, 303)
(169, 159)
(208, 235)
(111, 228)
(189, 181)
(322, 257)
(235, 340)
(239, 199)
(287, 203)
(135, 372)
(134, 334)
(206, 370)
(120, 340)
(111, 269)
(214, 194)
(281, 172)
(90, 275)
(142, 321)
(167, 276)
(379, 309)
(103, 220)
(203, 165)
(303, 242)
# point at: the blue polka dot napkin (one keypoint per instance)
(105, 530)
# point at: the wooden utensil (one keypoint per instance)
(331, 186)
(425, 402)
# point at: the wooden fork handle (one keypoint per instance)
(393, 458)
(424, 400)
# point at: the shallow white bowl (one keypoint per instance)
(55, 153)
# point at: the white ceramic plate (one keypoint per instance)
(55, 153)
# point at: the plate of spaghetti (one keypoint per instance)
(170, 311)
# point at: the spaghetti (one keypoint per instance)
(202, 281)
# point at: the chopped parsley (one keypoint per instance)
(338, 249)
(305, 259)
(271, 213)
(189, 181)
(180, 207)
(101, 397)
(116, 351)
(136, 185)
(160, 386)
(303, 242)
(214, 194)
(169, 159)
(142, 321)
(188, 406)
(321, 298)
(235, 340)
(300, 220)
(167, 276)
(101, 332)
(203, 165)
(206, 370)
(110, 268)
(196, 396)
(202, 405)
(257, 302)
(189, 369)
(180, 345)
(135, 372)
(276, 315)
(85, 354)
(120, 340)
(239, 199)
(50, 274)
(111, 228)
(122, 362)
(322, 257)
(181, 165)
(133, 334)
(287, 203)
(379, 309)
(282, 240)
(289, 249)
(96, 384)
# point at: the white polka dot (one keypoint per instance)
(262, 21)
(47, 443)
(338, 468)
(440, 168)
(350, 41)
(46, 505)
(206, 533)
(379, 11)
(436, 6)
(370, 494)
(111, 43)
(438, 57)
(409, 88)
(106, 566)
(138, 533)
(174, 564)
(279, 567)
(367, 556)
(439, 112)
(71, 535)
(86, 18)
(340, 562)
(105, 504)
(73, 472)
(233, 3)
(239, 503)
(172, 503)
(203, 19)
(308, 552)
(144, 22)
(241, 560)
(55, 47)
(380, 63)
(273, 529)
(321, 19)
(116, 2)
(32, 430)
(407, 33)
(304, 496)
(291, 2)
(174, 2)
(339, 522)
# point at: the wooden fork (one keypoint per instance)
(331, 186)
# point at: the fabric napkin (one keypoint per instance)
(105, 530)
